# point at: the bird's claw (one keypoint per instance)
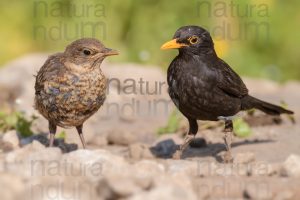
(187, 140)
(227, 157)
(177, 155)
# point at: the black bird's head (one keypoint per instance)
(191, 39)
(87, 52)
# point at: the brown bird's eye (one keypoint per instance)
(193, 39)
(87, 52)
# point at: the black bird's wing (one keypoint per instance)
(229, 81)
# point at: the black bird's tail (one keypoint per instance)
(249, 102)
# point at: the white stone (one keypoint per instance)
(96, 163)
(182, 167)
(254, 192)
(148, 168)
(125, 186)
(167, 192)
(99, 140)
(12, 138)
(291, 166)
(139, 151)
(244, 157)
(121, 137)
(11, 186)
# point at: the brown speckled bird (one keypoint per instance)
(70, 87)
(204, 87)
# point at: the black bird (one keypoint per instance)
(204, 87)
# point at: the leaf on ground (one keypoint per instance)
(241, 128)
(172, 125)
(290, 117)
(16, 121)
(61, 135)
(23, 125)
(251, 112)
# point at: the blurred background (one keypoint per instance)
(131, 139)
(258, 38)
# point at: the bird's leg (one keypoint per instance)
(188, 138)
(79, 130)
(52, 130)
(227, 139)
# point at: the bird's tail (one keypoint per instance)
(249, 102)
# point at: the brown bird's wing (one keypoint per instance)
(50, 71)
(47, 86)
(229, 81)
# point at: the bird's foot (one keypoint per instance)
(51, 140)
(227, 157)
(187, 140)
(177, 155)
(228, 131)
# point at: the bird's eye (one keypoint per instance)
(193, 40)
(87, 52)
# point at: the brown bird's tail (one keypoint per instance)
(249, 102)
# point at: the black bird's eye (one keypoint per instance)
(193, 40)
(87, 52)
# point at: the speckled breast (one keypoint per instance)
(73, 98)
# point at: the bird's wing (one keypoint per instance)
(229, 81)
(49, 73)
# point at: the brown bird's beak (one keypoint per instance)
(110, 52)
(173, 44)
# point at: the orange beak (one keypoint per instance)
(173, 44)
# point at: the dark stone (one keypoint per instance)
(198, 143)
(164, 149)
(43, 139)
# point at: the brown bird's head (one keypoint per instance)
(87, 52)
(191, 39)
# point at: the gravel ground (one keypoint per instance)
(127, 159)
